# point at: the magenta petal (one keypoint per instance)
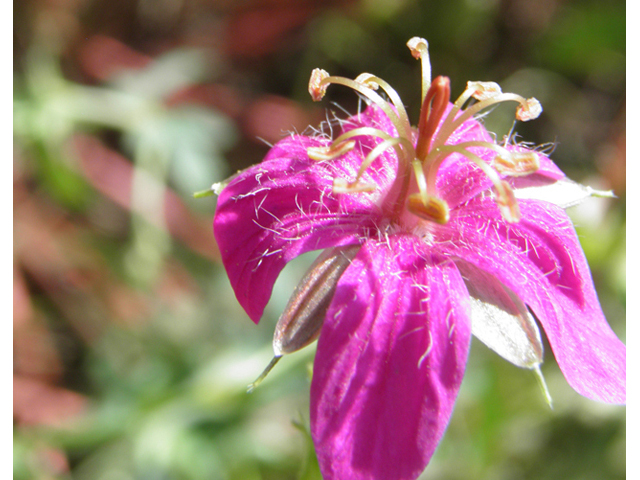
(283, 207)
(541, 260)
(459, 179)
(390, 360)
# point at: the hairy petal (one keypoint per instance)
(390, 360)
(283, 207)
(540, 259)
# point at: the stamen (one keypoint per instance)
(433, 107)
(317, 88)
(320, 80)
(507, 203)
(431, 149)
(420, 49)
(421, 180)
(434, 209)
(505, 198)
(342, 186)
(528, 110)
(517, 164)
(374, 82)
(403, 147)
(368, 80)
(484, 90)
(330, 152)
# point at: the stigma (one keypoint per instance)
(422, 150)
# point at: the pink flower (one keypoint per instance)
(430, 234)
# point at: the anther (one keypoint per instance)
(330, 152)
(507, 203)
(340, 185)
(528, 110)
(484, 90)
(517, 164)
(420, 49)
(418, 46)
(434, 209)
(316, 88)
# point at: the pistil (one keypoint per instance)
(433, 107)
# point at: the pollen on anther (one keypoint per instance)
(528, 110)
(321, 154)
(517, 164)
(434, 209)
(484, 90)
(508, 204)
(316, 88)
(414, 45)
(340, 185)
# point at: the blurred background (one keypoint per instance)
(131, 356)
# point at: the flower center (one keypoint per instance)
(421, 162)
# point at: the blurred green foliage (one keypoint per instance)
(131, 354)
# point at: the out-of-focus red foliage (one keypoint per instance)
(112, 175)
(261, 27)
(103, 57)
(96, 41)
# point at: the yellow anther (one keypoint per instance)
(528, 110)
(340, 185)
(316, 88)
(434, 209)
(517, 164)
(330, 152)
(507, 203)
(484, 90)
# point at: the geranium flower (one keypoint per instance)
(429, 234)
